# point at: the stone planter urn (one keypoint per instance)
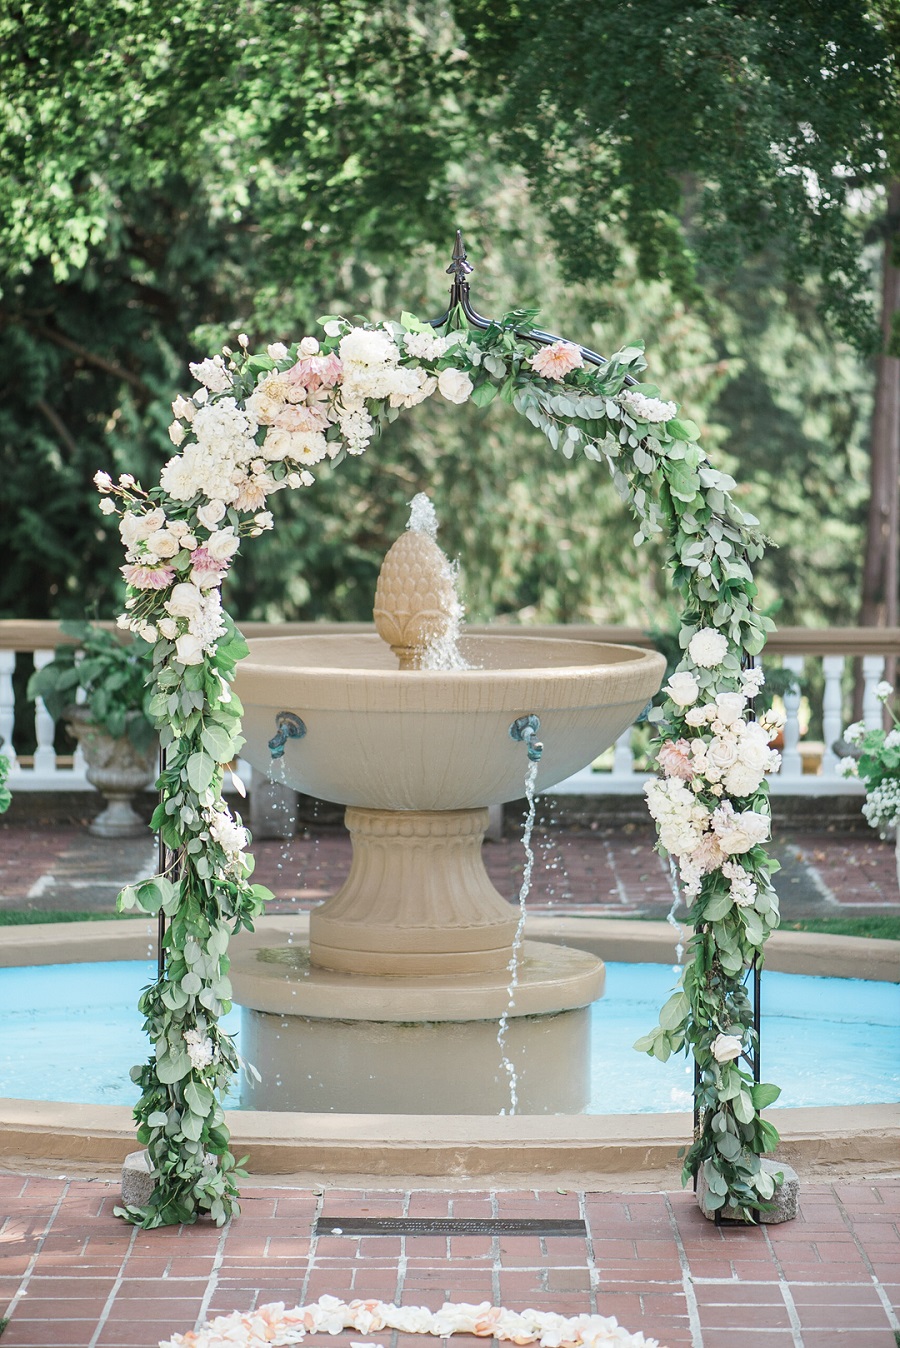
(118, 770)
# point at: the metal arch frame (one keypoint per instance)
(460, 269)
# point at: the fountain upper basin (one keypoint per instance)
(389, 739)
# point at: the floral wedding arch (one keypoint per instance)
(259, 423)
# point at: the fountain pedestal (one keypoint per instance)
(417, 900)
(375, 1044)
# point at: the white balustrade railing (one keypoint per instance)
(807, 768)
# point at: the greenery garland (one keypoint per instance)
(257, 424)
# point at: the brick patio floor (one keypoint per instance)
(611, 872)
(76, 1277)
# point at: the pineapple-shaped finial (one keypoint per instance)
(415, 600)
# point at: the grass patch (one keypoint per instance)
(884, 926)
(27, 917)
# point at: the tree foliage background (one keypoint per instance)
(708, 176)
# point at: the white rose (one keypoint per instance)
(726, 1047)
(277, 351)
(683, 688)
(309, 346)
(107, 506)
(162, 543)
(168, 627)
(707, 648)
(755, 751)
(455, 386)
(739, 832)
(223, 544)
(188, 649)
(723, 750)
(697, 716)
(210, 515)
(176, 432)
(185, 601)
(264, 519)
(730, 707)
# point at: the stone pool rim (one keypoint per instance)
(592, 1148)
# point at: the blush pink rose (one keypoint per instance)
(675, 759)
(311, 371)
(206, 571)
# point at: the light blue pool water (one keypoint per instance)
(72, 1031)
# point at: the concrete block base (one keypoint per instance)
(137, 1185)
(784, 1201)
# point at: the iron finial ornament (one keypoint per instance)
(460, 267)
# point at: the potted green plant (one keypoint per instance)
(110, 721)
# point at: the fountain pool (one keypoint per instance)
(71, 1032)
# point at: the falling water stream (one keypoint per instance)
(516, 956)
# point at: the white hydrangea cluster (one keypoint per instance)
(200, 1049)
(650, 410)
(882, 804)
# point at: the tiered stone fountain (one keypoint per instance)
(394, 1006)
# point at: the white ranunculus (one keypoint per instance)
(188, 649)
(223, 544)
(455, 385)
(730, 707)
(707, 648)
(726, 1047)
(210, 515)
(683, 688)
(185, 601)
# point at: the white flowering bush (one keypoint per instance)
(258, 424)
(877, 763)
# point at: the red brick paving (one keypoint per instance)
(605, 871)
(76, 1277)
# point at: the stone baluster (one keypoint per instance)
(873, 672)
(7, 705)
(44, 725)
(791, 760)
(623, 758)
(832, 710)
(79, 764)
